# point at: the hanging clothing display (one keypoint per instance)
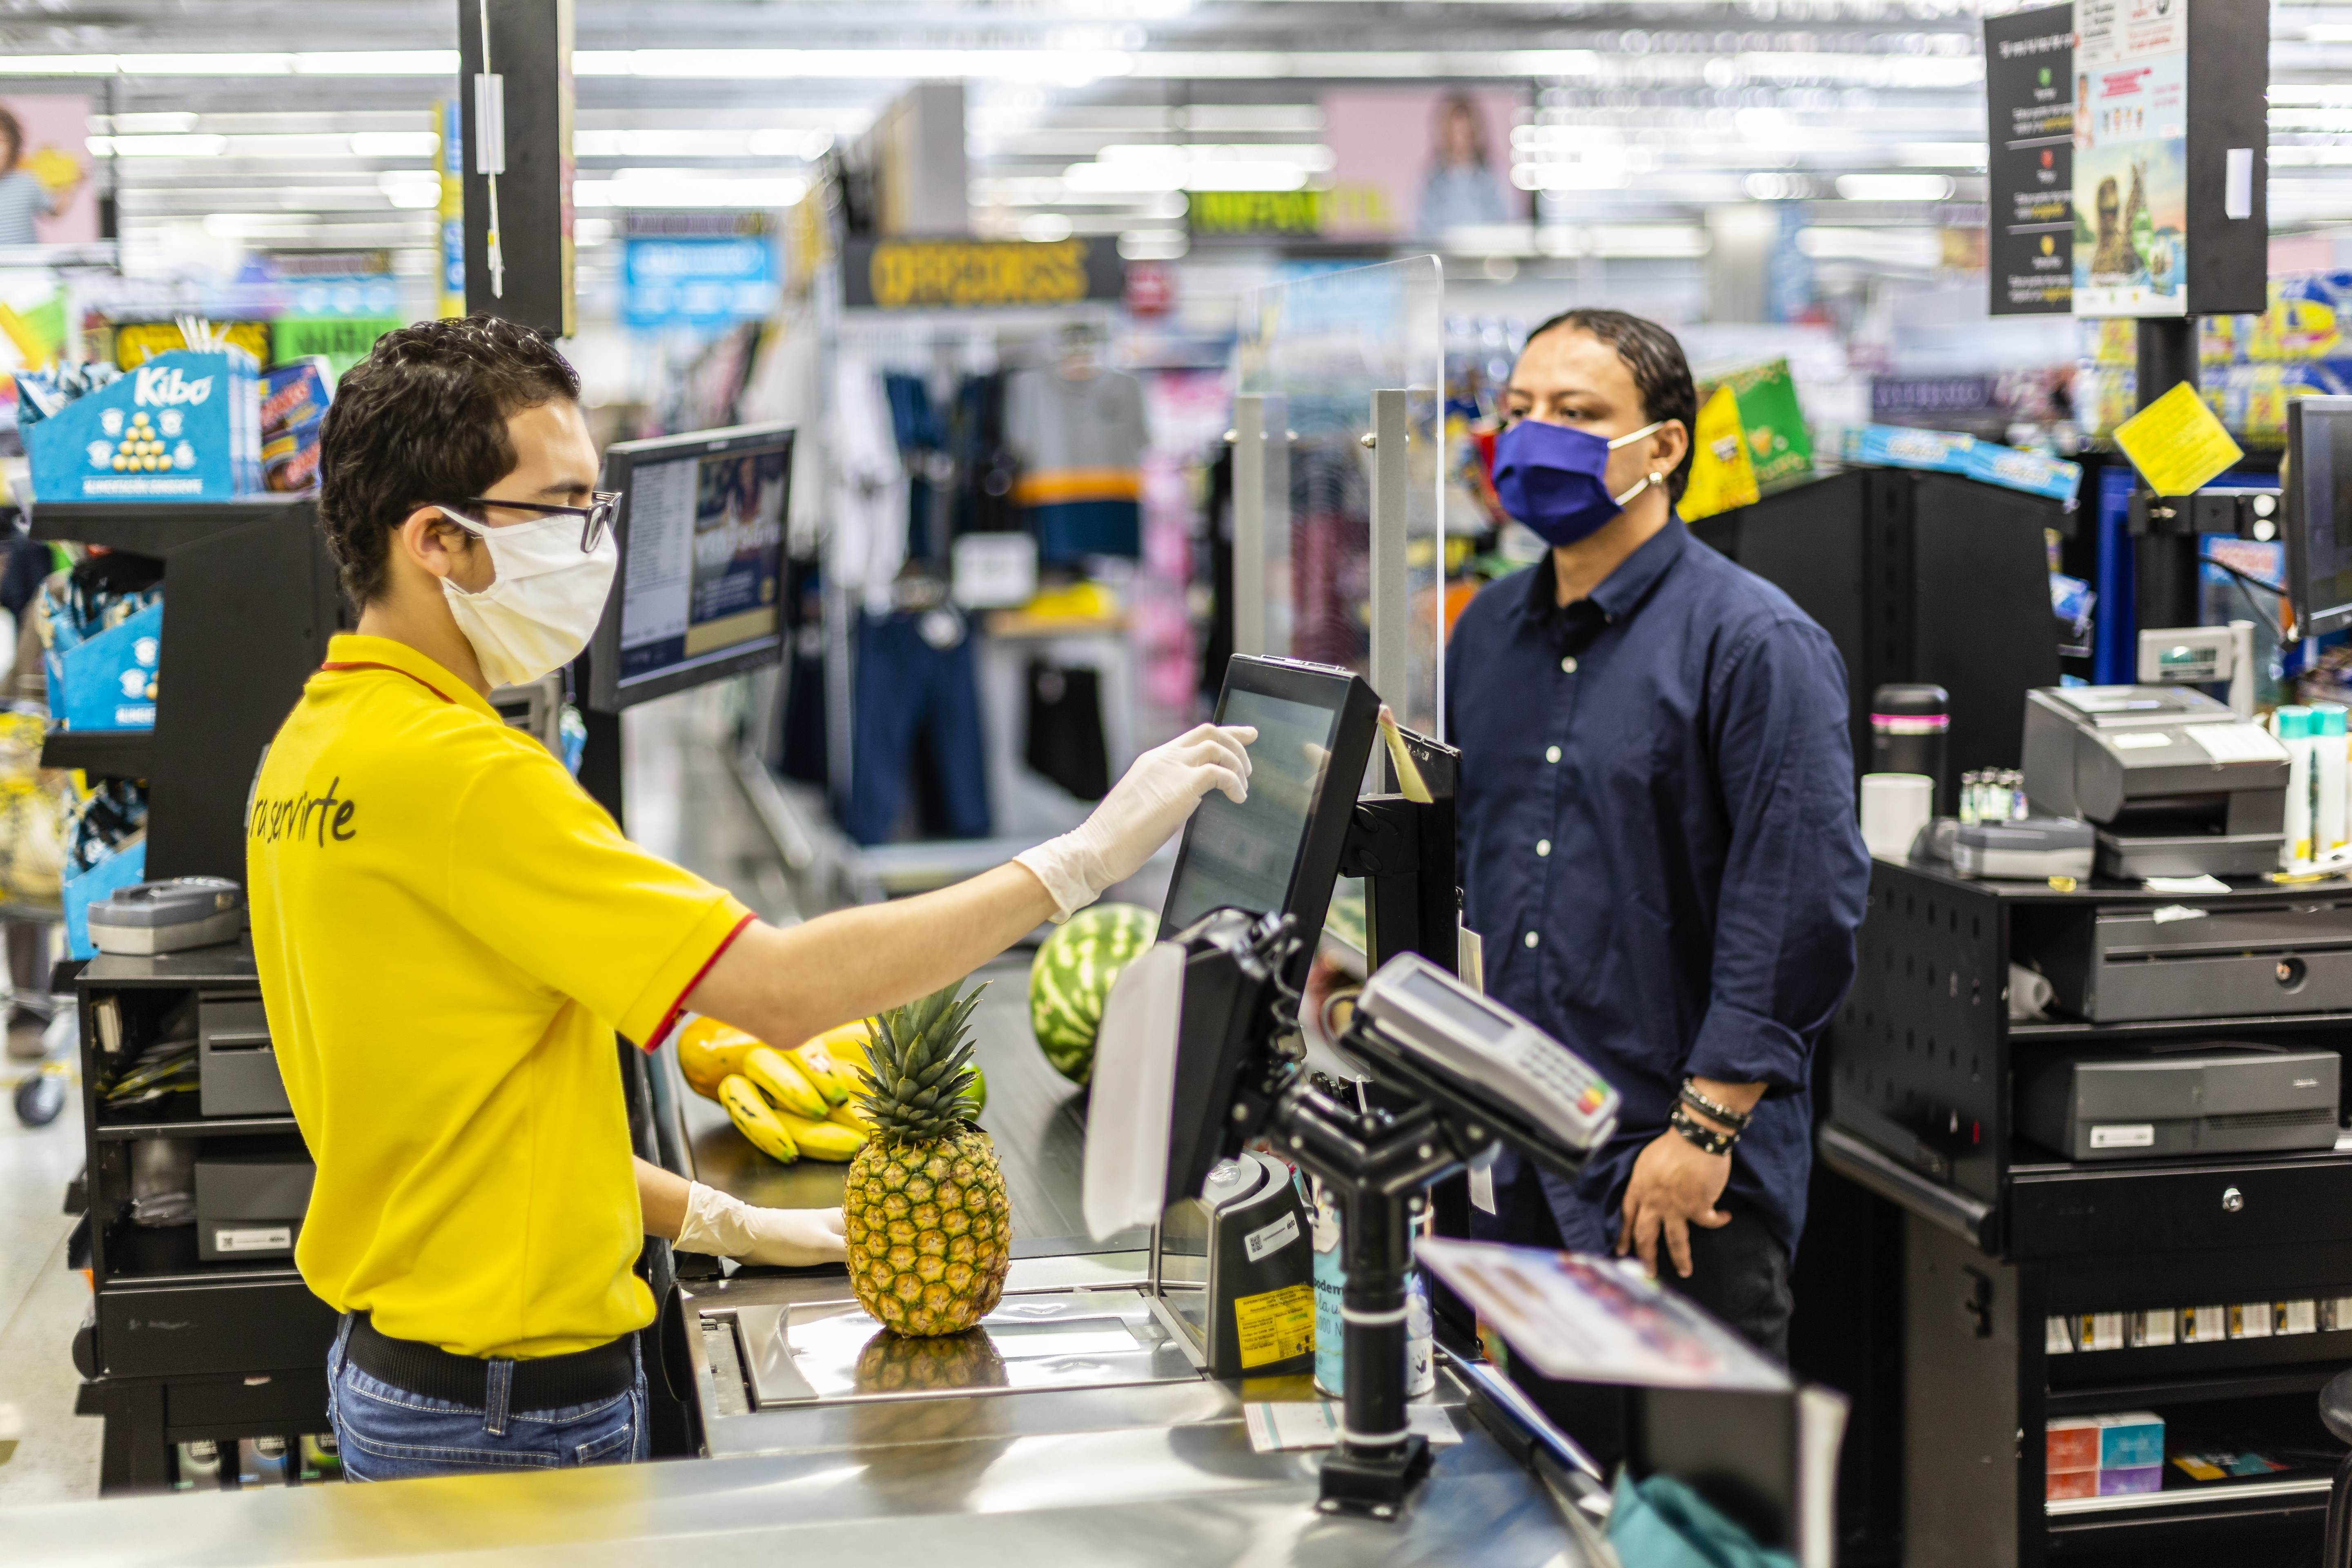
(1080, 442)
(1066, 727)
(985, 467)
(869, 521)
(916, 713)
(801, 748)
(922, 442)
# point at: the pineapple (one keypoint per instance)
(929, 1230)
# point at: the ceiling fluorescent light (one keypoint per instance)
(206, 65)
(377, 62)
(199, 145)
(396, 144)
(59, 65)
(1895, 187)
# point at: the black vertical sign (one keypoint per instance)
(2030, 155)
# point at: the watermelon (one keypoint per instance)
(1072, 976)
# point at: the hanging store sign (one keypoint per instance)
(979, 274)
(1253, 214)
(697, 270)
(2030, 141)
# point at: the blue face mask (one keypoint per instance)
(1553, 479)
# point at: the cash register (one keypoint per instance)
(2175, 783)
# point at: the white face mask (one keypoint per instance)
(544, 600)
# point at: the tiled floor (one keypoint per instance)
(56, 1457)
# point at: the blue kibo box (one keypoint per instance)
(108, 682)
(125, 865)
(183, 426)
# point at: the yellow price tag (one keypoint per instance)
(2175, 443)
(1274, 1326)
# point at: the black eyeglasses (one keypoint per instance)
(596, 518)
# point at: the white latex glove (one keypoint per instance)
(725, 1226)
(1141, 812)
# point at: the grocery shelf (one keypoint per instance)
(2193, 1498)
(2093, 1399)
(2079, 1029)
(192, 1126)
(115, 754)
(2162, 1367)
(166, 1255)
(152, 528)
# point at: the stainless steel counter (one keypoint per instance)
(1158, 1475)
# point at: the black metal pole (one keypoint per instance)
(2165, 564)
(1374, 1307)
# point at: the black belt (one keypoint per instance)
(543, 1383)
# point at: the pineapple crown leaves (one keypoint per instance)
(919, 1067)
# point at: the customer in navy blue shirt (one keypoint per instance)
(1658, 835)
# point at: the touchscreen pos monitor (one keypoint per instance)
(1279, 850)
(2317, 481)
(700, 593)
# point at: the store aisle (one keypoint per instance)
(41, 1304)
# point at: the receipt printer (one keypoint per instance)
(2175, 783)
(2185, 1099)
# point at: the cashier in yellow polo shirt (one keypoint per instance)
(449, 931)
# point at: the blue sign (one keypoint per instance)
(695, 280)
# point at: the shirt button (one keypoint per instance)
(1551, 753)
(1567, 665)
(1532, 939)
(1543, 846)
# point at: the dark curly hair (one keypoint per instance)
(1661, 374)
(424, 420)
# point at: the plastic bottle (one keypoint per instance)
(2293, 725)
(1331, 1291)
(2328, 813)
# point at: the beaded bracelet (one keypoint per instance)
(1708, 1139)
(1690, 1096)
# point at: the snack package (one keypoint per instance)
(295, 392)
(1779, 443)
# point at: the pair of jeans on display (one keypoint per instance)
(916, 724)
(386, 1433)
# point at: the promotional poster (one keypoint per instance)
(1419, 163)
(45, 186)
(2131, 158)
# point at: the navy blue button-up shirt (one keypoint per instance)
(1659, 848)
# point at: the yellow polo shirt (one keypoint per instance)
(448, 931)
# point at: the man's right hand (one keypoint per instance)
(1141, 813)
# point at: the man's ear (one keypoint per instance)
(1668, 444)
(431, 540)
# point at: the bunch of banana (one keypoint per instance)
(786, 1103)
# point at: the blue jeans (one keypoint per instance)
(388, 1433)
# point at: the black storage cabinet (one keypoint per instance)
(1943, 1240)
(177, 1349)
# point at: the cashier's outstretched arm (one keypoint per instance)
(786, 985)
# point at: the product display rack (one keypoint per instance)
(178, 1350)
(1998, 1235)
(250, 602)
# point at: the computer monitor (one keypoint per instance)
(2318, 480)
(1279, 850)
(700, 593)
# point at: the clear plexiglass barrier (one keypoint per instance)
(1337, 430)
